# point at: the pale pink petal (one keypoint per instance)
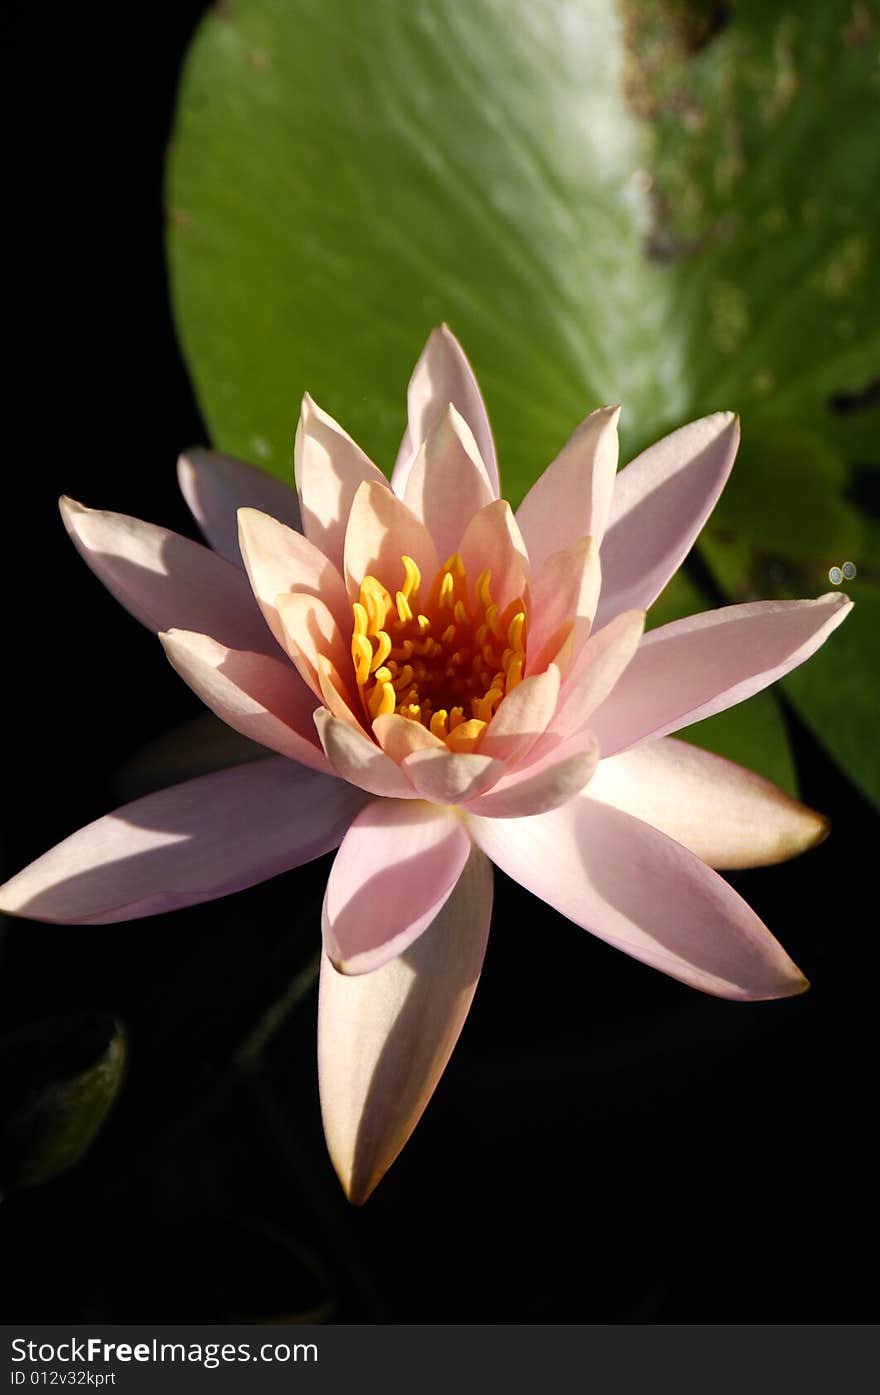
(661, 501)
(448, 483)
(522, 717)
(692, 668)
(443, 375)
(216, 486)
(166, 581)
(279, 561)
(308, 631)
(728, 816)
(337, 696)
(543, 784)
(564, 593)
(597, 668)
(380, 531)
(261, 697)
(329, 468)
(384, 1038)
(399, 737)
(397, 864)
(192, 842)
(492, 540)
(571, 499)
(643, 893)
(359, 760)
(451, 777)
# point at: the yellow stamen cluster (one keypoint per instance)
(445, 661)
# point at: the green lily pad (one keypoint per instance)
(608, 202)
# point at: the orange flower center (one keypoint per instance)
(445, 661)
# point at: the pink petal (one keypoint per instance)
(522, 717)
(443, 375)
(492, 539)
(728, 816)
(308, 632)
(192, 842)
(384, 1038)
(571, 499)
(661, 501)
(564, 594)
(380, 531)
(596, 670)
(451, 777)
(279, 561)
(644, 894)
(448, 483)
(687, 670)
(256, 695)
(359, 760)
(329, 468)
(399, 737)
(337, 696)
(216, 486)
(397, 865)
(166, 581)
(543, 784)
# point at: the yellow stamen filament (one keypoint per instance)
(446, 662)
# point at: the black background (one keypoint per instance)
(606, 1146)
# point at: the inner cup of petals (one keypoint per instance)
(445, 659)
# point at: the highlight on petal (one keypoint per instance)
(726, 815)
(492, 541)
(279, 561)
(384, 1038)
(692, 668)
(571, 499)
(329, 467)
(443, 375)
(522, 717)
(359, 760)
(596, 670)
(167, 581)
(308, 632)
(216, 486)
(192, 842)
(448, 482)
(546, 783)
(399, 737)
(660, 502)
(397, 864)
(564, 595)
(381, 530)
(261, 697)
(452, 777)
(635, 888)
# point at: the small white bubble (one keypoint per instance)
(835, 576)
(849, 570)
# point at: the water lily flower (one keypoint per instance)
(445, 684)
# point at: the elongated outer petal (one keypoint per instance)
(167, 581)
(451, 777)
(543, 784)
(597, 668)
(359, 760)
(564, 595)
(396, 867)
(380, 531)
(661, 501)
(692, 668)
(448, 483)
(329, 467)
(643, 893)
(384, 1038)
(279, 562)
(728, 816)
(261, 697)
(189, 843)
(571, 499)
(216, 486)
(492, 539)
(522, 717)
(443, 375)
